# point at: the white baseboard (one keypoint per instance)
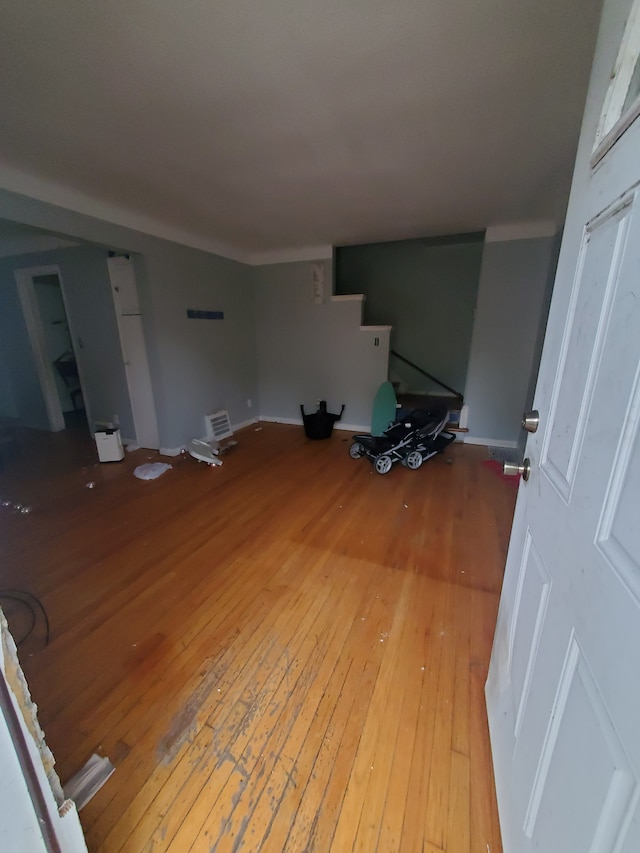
(353, 427)
(489, 442)
(176, 451)
(348, 297)
(298, 422)
(244, 424)
(171, 451)
(292, 421)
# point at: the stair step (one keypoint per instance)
(421, 401)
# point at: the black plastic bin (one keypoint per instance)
(319, 425)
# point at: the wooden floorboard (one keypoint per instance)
(284, 653)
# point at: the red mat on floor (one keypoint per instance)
(496, 467)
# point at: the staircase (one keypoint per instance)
(453, 399)
(423, 401)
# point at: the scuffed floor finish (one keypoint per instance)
(287, 653)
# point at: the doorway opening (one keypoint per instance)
(41, 295)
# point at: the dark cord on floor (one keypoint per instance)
(33, 605)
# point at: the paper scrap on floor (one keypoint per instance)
(151, 470)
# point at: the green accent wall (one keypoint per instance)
(427, 290)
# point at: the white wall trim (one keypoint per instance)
(489, 442)
(353, 427)
(288, 256)
(376, 328)
(520, 231)
(14, 247)
(133, 345)
(51, 192)
(244, 424)
(291, 421)
(348, 297)
(298, 422)
(176, 451)
(15, 180)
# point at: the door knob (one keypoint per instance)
(512, 469)
(531, 420)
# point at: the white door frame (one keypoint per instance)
(124, 290)
(35, 329)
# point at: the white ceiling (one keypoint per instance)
(258, 127)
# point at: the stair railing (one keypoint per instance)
(427, 374)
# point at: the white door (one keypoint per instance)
(563, 693)
(134, 351)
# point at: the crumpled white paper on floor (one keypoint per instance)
(151, 470)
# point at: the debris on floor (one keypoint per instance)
(151, 470)
(204, 451)
(15, 507)
(84, 784)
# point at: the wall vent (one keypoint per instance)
(218, 425)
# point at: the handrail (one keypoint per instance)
(428, 375)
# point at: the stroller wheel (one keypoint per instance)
(356, 450)
(413, 460)
(383, 464)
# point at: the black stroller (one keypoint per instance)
(411, 440)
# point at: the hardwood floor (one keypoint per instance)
(284, 653)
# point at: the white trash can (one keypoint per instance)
(109, 445)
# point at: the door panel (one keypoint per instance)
(598, 266)
(532, 597)
(618, 536)
(581, 736)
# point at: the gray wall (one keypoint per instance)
(272, 335)
(308, 352)
(22, 396)
(83, 271)
(8, 405)
(203, 365)
(426, 289)
(56, 330)
(196, 366)
(512, 302)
